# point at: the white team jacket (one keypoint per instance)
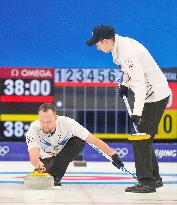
(51, 145)
(141, 73)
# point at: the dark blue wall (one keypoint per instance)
(52, 33)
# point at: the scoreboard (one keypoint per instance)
(22, 91)
(88, 95)
(168, 125)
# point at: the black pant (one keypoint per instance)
(147, 169)
(57, 165)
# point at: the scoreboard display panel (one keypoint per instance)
(90, 97)
(22, 91)
(168, 125)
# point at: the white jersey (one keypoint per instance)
(51, 145)
(141, 73)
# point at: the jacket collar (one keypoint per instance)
(116, 49)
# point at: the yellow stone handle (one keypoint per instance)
(36, 173)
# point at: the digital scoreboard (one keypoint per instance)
(90, 96)
(22, 91)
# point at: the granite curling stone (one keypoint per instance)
(37, 180)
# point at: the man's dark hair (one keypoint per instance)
(47, 106)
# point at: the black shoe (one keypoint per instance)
(140, 188)
(158, 184)
(57, 181)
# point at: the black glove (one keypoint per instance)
(117, 161)
(135, 121)
(122, 90)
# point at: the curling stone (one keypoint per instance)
(37, 180)
(80, 163)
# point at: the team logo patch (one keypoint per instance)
(128, 62)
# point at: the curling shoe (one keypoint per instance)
(140, 188)
(57, 181)
(158, 184)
